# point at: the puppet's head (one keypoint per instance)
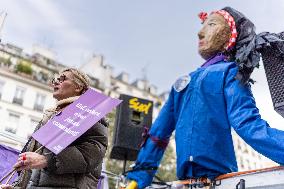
(214, 36)
(229, 32)
(229, 27)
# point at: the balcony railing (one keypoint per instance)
(36, 76)
(11, 130)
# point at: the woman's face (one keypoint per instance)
(214, 36)
(64, 86)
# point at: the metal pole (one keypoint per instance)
(241, 184)
(2, 19)
(124, 164)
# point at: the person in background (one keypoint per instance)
(204, 105)
(77, 166)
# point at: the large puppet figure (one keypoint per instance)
(204, 105)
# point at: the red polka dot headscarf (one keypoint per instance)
(231, 22)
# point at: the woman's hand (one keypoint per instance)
(6, 186)
(30, 160)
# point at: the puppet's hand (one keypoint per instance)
(132, 185)
(30, 160)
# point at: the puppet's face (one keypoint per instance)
(214, 36)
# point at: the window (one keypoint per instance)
(39, 102)
(19, 96)
(239, 146)
(33, 123)
(13, 123)
(129, 89)
(1, 88)
(255, 165)
(242, 163)
(42, 77)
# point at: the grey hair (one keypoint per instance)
(80, 78)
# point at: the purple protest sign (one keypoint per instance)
(8, 158)
(74, 120)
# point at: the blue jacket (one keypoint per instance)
(202, 113)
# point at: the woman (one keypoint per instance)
(77, 166)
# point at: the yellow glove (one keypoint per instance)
(132, 185)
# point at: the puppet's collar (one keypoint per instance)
(213, 60)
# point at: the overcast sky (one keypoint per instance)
(159, 35)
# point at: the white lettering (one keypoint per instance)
(80, 116)
(58, 148)
(80, 106)
(72, 122)
(65, 129)
(86, 109)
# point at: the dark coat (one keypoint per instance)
(77, 166)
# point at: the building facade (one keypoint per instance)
(247, 157)
(24, 93)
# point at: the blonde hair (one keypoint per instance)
(80, 78)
